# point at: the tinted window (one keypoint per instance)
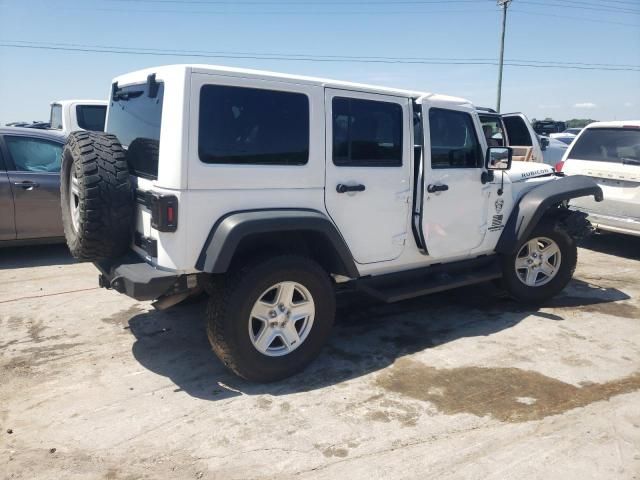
(134, 117)
(91, 117)
(56, 117)
(253, 126)
(34, 154)
(517, 132)
(492, 129)
(366, 133)
(454, 143)
(607, 145)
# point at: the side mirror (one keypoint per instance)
(544, 143)
(498, 158)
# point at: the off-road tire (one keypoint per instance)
(230, 306)
(105, 197)
(569, 257)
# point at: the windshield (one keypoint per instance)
(607, 145)
(492, 129)
(134, 117)
(91, 117)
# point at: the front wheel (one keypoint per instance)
(270, 318)
(542, 265)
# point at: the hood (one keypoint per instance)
(521, 171)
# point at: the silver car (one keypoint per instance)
(30, 186)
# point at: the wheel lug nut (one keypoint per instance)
(281, 307)
(273, 314)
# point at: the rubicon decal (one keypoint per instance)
(534, 173)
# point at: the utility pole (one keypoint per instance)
(504, 4)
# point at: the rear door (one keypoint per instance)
(522, 138)
(612, 157)
(33, 169)
(7, 223)
(368, 165)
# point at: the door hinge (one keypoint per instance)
(400, 239)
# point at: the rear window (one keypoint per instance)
(607, 145)
(91, 117)
(134, 117)
(253, 126)
(56, 117)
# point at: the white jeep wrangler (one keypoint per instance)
(269, 191)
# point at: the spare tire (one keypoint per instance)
(96, 196)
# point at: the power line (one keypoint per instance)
(580, 6)
(518, 10)
(571, 3)
(318, 56)
(307, 58)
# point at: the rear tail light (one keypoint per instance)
(164, 213)
(559, 166)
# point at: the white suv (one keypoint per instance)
(271, 191)
(609, 152)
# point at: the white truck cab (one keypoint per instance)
(271, 191)
(72, 115)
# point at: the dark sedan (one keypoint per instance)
(30, 186)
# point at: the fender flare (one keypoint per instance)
(535, 203)
(227, 233)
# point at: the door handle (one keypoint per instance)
(27, 185)
(341, 188)
(437, 188)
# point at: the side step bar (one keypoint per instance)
(436, 278)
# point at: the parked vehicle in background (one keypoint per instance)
(546, 127)
(40, 125)
(30, 186)
(272, 191)
(573, 131)
(564, 137)
(554, 150)
(72, 115)
(511, 130)
(610, 153)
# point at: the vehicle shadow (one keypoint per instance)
(367, 336)
(617, 244)
(35, 256)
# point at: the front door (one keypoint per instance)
(522, 138)
(455, 200)
(7, 224)
(34, 173)
(368, 180)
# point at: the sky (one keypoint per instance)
(407, 34)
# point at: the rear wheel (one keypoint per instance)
(269, 319)
(542, 265)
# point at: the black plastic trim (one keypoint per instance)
(228, 232)
(137, 279)
(535, 203)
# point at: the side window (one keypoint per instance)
(454, 143)
(91, 117)
(56, 116)
(517, 131)
(34, 154)
(366, 133)
(253, 126)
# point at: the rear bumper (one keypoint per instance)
(137, 279)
